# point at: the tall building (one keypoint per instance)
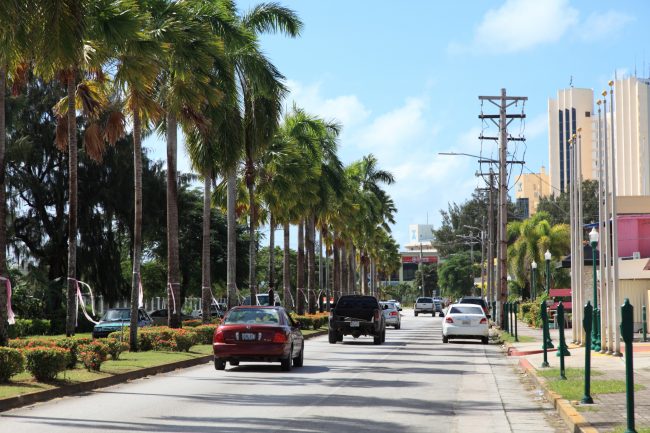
(529, 188)
(631, 119)
(570, 111)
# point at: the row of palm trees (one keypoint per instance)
(197, 66)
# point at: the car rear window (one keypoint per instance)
(357, 303)
(255, 316)
(391, 306)
(466, 310)
(476, 301)
(425, 300)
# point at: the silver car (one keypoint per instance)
(391, 314)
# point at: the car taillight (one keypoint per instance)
(377, 313)
(280, 337)
(484, 320)
(449, 320)
(219, 337)
(393, 313)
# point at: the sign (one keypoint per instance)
(416, 259)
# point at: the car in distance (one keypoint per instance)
(357, 315)
(465, 321)
(258, 334)
(397, 304)
(475, 300)
(116, 319)
(159, 317)
(391, 314)
(437, 307)
(424, 305)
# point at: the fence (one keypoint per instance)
(150, 304)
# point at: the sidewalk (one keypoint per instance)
(609, 410)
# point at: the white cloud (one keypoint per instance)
(536, 127)
(519, 25)
(601, 25)
(346, 109)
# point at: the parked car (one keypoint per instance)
(258, 334)
(437, 307)
(466, 321)
(262, 299)
(160, 317)
(475, 300)
(397, 304)
(357, 315)
(116, 319)
(424, 305)
(216, 310)
(391, 314)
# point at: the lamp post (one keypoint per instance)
(595, 329)
(547, 257)
(533, 267)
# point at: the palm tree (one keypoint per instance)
(71, 39)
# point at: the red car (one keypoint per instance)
(258, 334)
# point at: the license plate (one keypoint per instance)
(248, 336)
(354, 324)
(464, 322)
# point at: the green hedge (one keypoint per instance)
(12, 361)
(27, 327)
(44, 363)
(161, 338)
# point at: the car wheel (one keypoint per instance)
(484, 340)
(383, 336)
(399, 325)
(433, 314)
(416, 314)
(332, 337)
(442, 314)
(285, 363)
(219, 364)
(339, 337)
(234, 363)
(445, 339)
(377, 339)
(298, 360)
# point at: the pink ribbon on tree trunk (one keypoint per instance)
(80, 300)
(171, 290)
(11, 317)
(140, 293)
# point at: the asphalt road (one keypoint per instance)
(412, 383)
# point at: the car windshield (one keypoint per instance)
(465, 309)
(115, 315)
(257, 316)
(391, 306)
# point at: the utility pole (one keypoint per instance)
(489, 266)
(502, 102)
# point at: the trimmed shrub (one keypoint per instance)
(22, 343)
(27, 327)
(116, 347)
(205, 333)
(185, 339)
(93, 354)
(72, 345)
(44, 363)
(162, 345)
(12, 361)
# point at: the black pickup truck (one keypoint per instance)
(357, 315)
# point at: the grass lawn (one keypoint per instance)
(508, 338)
(573, 388)
(621, 429)
(306, 332)
(24, 383)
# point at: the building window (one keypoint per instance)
(408, 271)
(522, 208)
(587, 114)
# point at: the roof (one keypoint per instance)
(560, 292)
(636, 269)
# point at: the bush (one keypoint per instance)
(116, 347)
(27, 327)
(12, 361)
(22, 343)
(72, 345)
(192, 323)
(44, 363)
(530, 314)
(93, 354)
(185, 339)
(204, 333)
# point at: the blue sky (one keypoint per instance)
(404, 78)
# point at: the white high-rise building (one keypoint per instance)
(571, 111)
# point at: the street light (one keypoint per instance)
(547, 257)
(595, 328)
(533, 266)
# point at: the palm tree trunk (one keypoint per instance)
(336, 271)
(311, 263)
(344, 271)
(352, 270)
(364, 272)
(3, 211)
(206, 281)
(252, 244)
(173, 266)
(271, 253)
(137, 228)
(231, 267)
(300, 267)
(72, 208)
(286, 268)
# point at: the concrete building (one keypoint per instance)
(570, 111)
(529, 188)
(418, 250)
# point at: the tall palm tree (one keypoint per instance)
(71, 39)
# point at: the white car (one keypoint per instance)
(391, 314)
(397, 304)
(465, 321)
(424, 305)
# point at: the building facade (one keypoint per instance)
(529, 189)
(418, 250)
(571, 111)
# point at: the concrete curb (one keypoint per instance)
(573, 419)
(63, 391)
